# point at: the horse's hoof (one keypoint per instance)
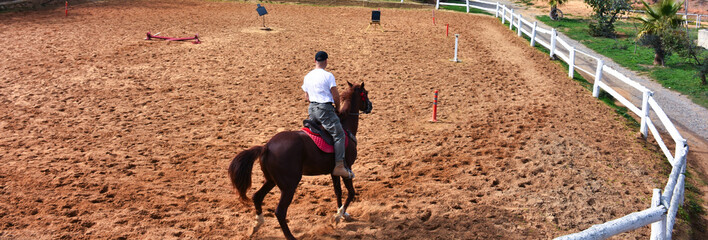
(255, 229)
(338, 217)
(259, 222)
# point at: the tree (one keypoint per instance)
(606, 13)
(554, 8)
(660, 29)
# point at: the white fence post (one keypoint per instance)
(571, 64)
(658, 229)
(457, 36)
(533, 34)
(496, 13)
(518, 25)
(503, 14)
(553, 42)
(437, 4)
(683, 170)
(673, 208)
(598, 77)
(645, 113)
(511, 20)
(468, 6)
(698, 23)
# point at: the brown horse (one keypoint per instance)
(289, 155)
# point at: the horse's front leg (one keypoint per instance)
(342, 211)
(337, 184)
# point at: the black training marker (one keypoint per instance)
(375, 20)
(261, 10)
(375, 16)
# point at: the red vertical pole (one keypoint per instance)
(447, 29)
(435, 108)
(433, 16)
(66, 8)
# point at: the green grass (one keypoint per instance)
(525, 2)
(692, 209)
(678, 73)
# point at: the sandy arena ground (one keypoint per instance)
(105, 135)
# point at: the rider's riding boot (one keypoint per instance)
(341, 170)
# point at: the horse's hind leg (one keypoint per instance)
(258, 203)
(286, 197)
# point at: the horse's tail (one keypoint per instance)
(241, 168)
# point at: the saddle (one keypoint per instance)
(321, 137)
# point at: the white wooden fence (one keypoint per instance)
(662, 212)
(699, 18)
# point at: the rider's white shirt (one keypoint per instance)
(317, 84)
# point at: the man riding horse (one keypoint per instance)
(321, 91)
(289, 155)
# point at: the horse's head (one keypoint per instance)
(360, 98)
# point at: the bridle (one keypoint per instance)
(364, 96)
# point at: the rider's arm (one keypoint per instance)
(307, 97)
(335, 97)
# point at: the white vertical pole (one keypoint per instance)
(698, 23)
(468, 6)
(503, 14)
(571, 64)
(658, 229)
(698, 20)
(553, 42)
(533, 34)
(437, 4)
(598, 77)
(401, 1)
(518, 25)
(496, 13)
(457, 36)
(511, 20)
(645, 113)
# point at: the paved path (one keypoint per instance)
(690, 118)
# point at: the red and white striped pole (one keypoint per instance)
(433, 16)
(435, 108)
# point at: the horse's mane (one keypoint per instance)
(347, 94)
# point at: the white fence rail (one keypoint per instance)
(662, 212)
(698, 17)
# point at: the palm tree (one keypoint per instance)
(554, 8)
(659, 23)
